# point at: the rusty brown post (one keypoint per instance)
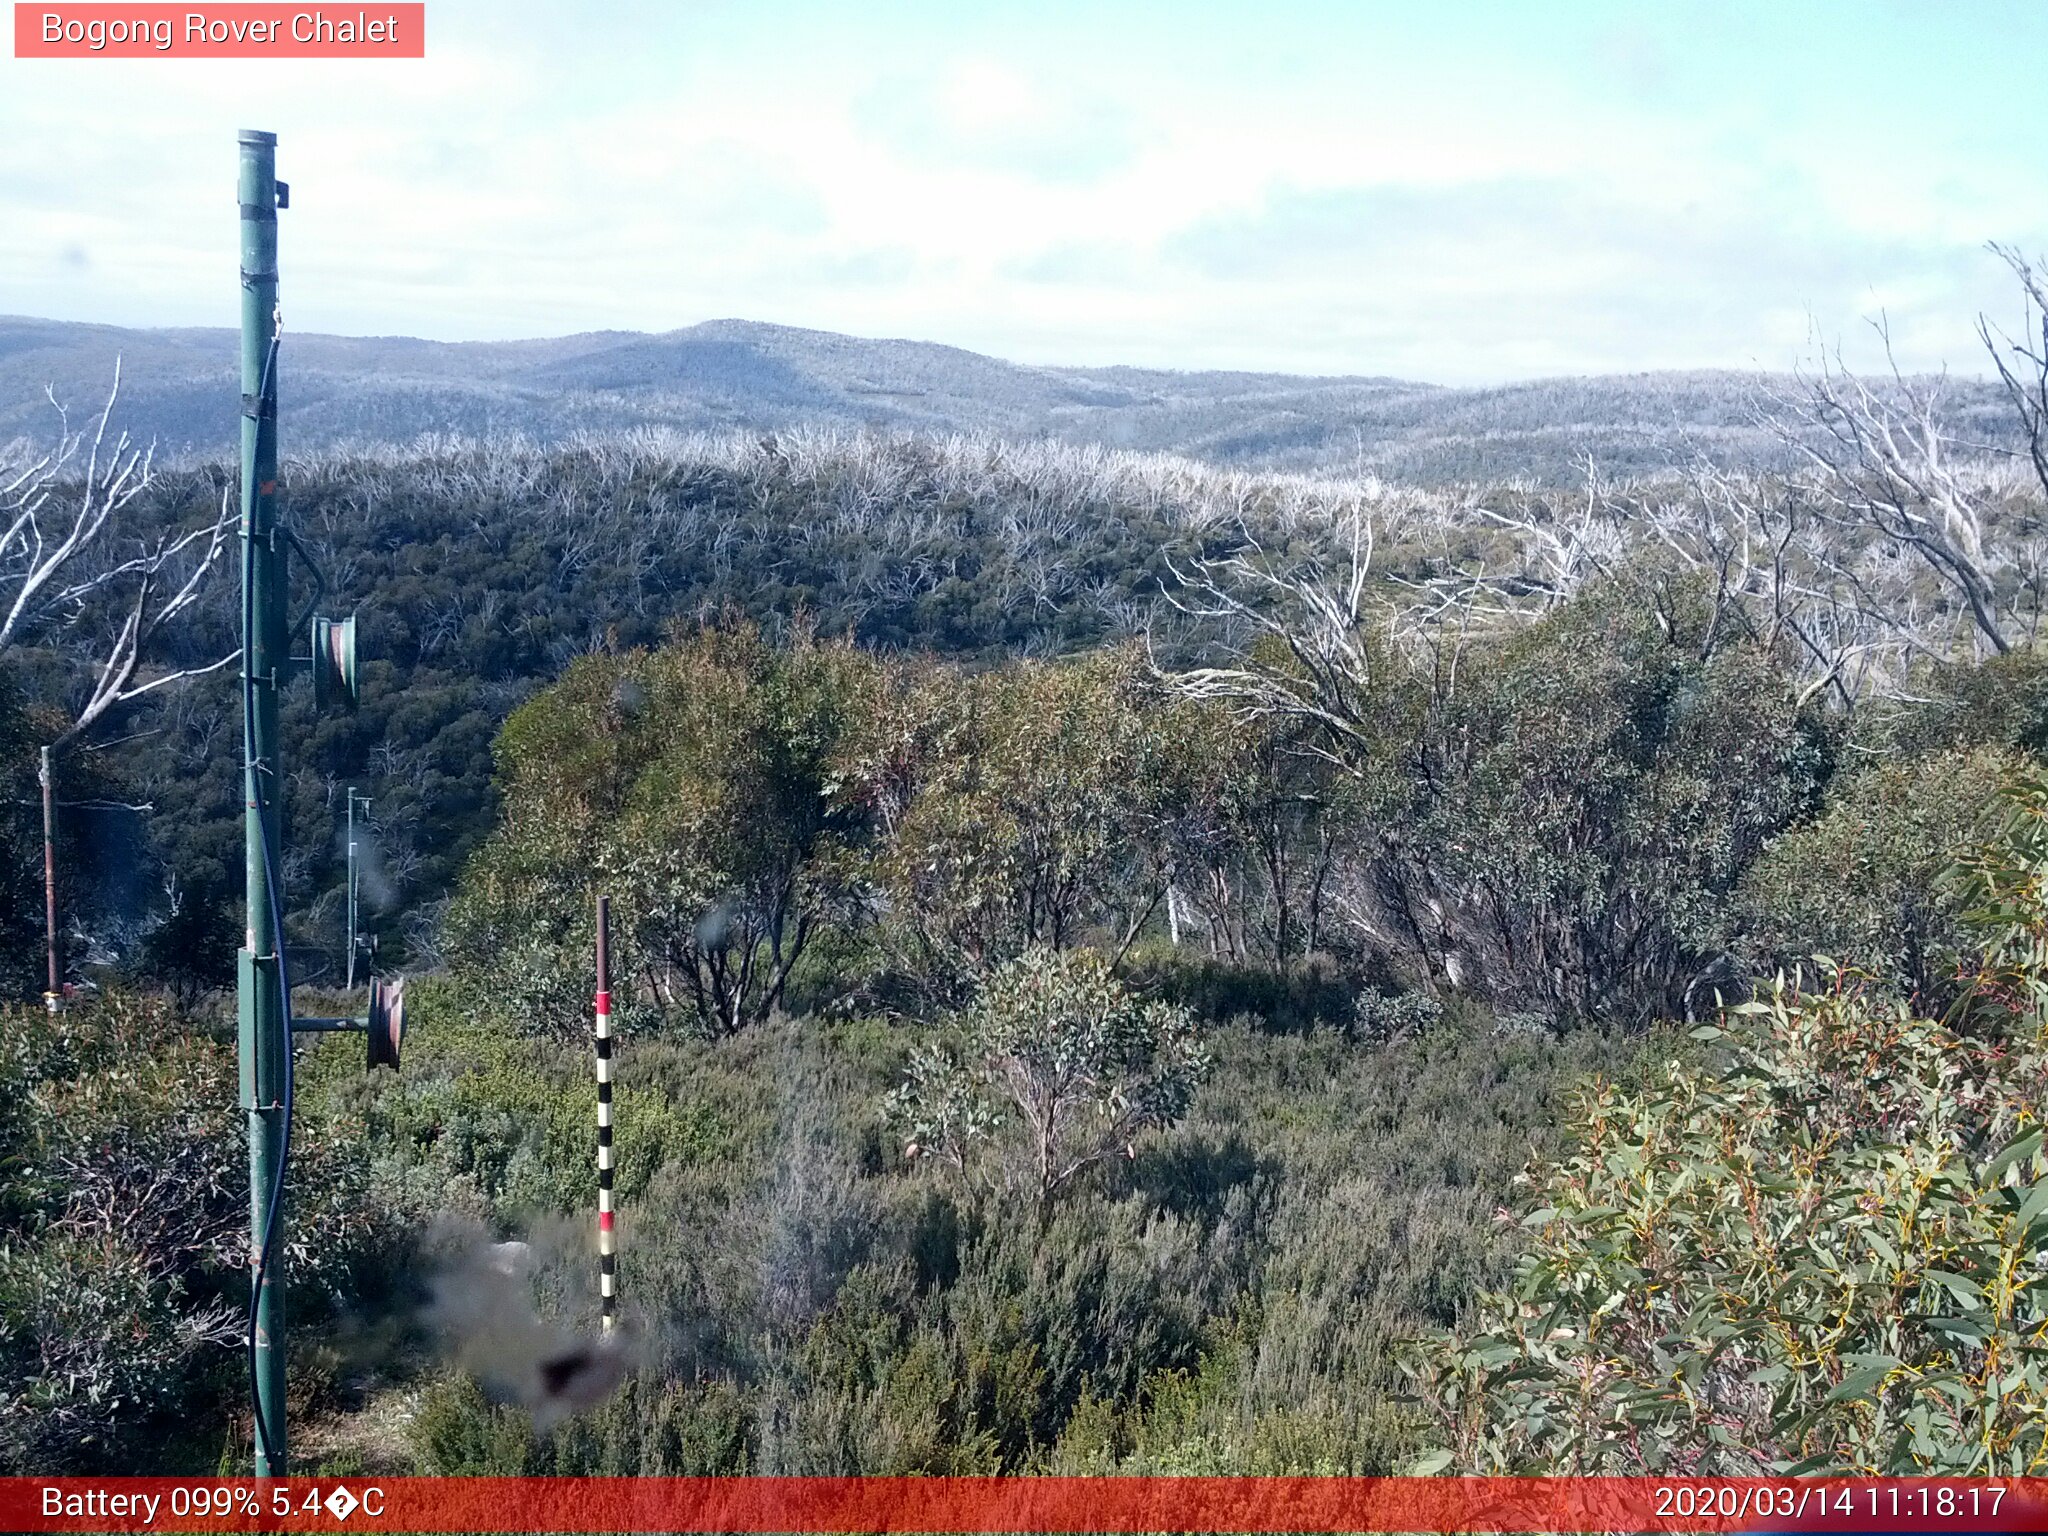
(53, 993)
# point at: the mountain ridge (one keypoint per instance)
(180, 387)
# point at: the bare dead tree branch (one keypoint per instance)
(1884, 461)
(1314, 611)
(56, 563)
(2023, 363)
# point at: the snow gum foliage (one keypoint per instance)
(1821, 1250)
(1581, 808)
(703, 784)
(1032, 806)
(746, 800)
(1859, 881)
(1055, 1068)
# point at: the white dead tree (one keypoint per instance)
(61, 566)
(1882, 461)
(1727, 528)
(1331, 647)
(1784, 577)
(1314, 612)
(1565, 546)
(2022, 361)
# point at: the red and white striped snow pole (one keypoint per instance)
(607, 1247)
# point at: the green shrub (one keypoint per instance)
(655, 1428)
(96, 1342)
(1054, 1068)
(21, 896)
(1028, 807)
(457, 1432)
(1590, 797)
(1859, 883)
(1821, 1253)
(486, 1113)
(2002, 886)
(1290, 999)
(2001, 701)
(123, 1270)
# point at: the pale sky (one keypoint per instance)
(1453, 191)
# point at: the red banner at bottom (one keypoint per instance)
(1053, 1504)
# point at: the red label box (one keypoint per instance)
(241, 31)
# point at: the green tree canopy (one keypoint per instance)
(706, 786)
(1032, 807)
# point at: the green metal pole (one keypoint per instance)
(264, 659)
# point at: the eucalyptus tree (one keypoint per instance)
(708, 788)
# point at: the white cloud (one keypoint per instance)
(1361, 208)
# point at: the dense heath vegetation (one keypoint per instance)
(1122, 966)
(1280, 1169)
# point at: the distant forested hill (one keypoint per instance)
(180, 387)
